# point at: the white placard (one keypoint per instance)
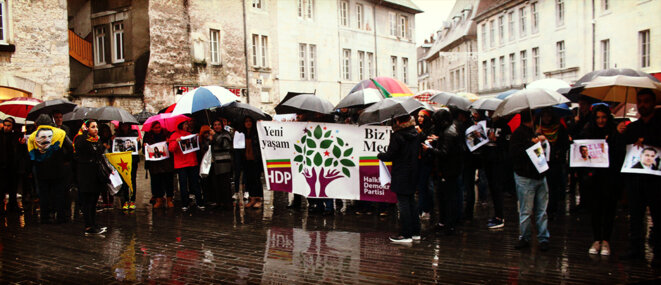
(589, 153)
(384, 174)
(476, 136)
(285, 118)
(537, 155)
(643, 160)
(239, 140)
(189, 144)
(122, 144)
(157, 151)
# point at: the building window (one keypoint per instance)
(344, 13)
(560, 53)
(118, 42)
(535, 62)
(393, 63)
(502, 73)
(559, 12)
(370, 64)
(264, 51)
(462, 79)
(492, 33)
(405, 70)
(255, 49)
(644, 39)
(305, 9)
(214, 46)
(312, 60)
(360, 20)
(605, 54)
(302, 60)
(510, 22)
(484, 74)
(3, 22)
(484, 36)
(257, 4)
(501, 29)
(493, 72)
(260, 50)
(512, 68)
(523, 20)
(361, 65)
(524, 65)
(535, 18)
(605, 5)
(403, 27)
(346, 64)
(99, 45)
(393, 24)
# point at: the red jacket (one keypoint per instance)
(181, 160)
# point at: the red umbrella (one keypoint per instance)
(167, 120)
(388, 86)
(19, 106)
(168, 109)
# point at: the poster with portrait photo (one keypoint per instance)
(157, 151)
(589, 153)
(122, 144)
(643, 160)
(189, 144)
(476, 136)
(537, 155)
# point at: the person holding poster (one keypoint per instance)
(221, 169)
(129, 196)
(160, 171)
(187, 168)
(643, 189)
(557, 136)
(532, 190)
(403, 151)
(599, 186)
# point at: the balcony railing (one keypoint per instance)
(80, 49)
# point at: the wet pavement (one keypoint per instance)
(280, 246)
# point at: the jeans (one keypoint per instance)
(408, 215)
(161, 184)
(189, 180)
(425, 190)
(533, 195)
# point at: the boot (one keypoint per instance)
(252, 202)
(258, 203)
(170, 204)
(159, 203)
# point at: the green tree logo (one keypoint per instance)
(322, 157)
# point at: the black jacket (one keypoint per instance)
(448, 150)
(650, 131)
(8, 150)
(86, 157)
(522, 140)
(403, 151)
(160, 166)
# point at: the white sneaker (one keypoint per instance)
(234, 196)
(424, 216)
(595, 248)
(246, 196)
(415, 238)
(400, 239)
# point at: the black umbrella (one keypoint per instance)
(388, 109)
(450, 99)
(143, 116)
(78, 114)
(360, 98)
(237, 111)
(304, 103)
(575, 91)
(107, 114)
(48, 107)
(489, 104)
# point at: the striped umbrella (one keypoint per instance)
(203, 98)
(18, 107)
(423, 96)
(388, 86)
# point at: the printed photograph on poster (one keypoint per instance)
(538, 157)
(122, 144)
(157, 151)
(189, 144)
(476, 136)
(644, 160)
(589, 153)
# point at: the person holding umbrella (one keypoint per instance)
(186, 166)
(129, 198)
(161, 171)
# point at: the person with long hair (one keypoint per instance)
(88, 156)
(252, 164)
(425, 166)
(187, 167)
(160, 171)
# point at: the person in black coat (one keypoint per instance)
(9, 144)
(160, 171)
(88, 156)
(403, 151)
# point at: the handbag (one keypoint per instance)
(205, 165)
(104, 169)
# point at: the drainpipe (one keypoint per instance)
(594, 23)
(245, 52)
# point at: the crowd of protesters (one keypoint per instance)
(429, 154)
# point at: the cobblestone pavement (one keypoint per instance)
(281, 246)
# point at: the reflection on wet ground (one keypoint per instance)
(281, 246)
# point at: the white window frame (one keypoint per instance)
(257, 4)
(117, 45)
(346, 64)
(393, 23)
(360, 17)
(405, 70)
(264, 50)
(305, 9)
(302, 61)
(522, 21)
(605, 53)
(312, 61)
(484, 36)
(512, 68)
(344, 13)
(393, 63)
(523, 57)
(560, 52)
(534, 26)
(255, 50)
(510, 25)
(501, 61)
(403, 25)
(492, 33)
(501, 29)
(535, 62)
(605, 5)
(485, 75)
(370, 64)
(493, 72)
(644, 48)
(100, 45)
(214, 46)
(559, 12)
(3, 23)
(361, 65)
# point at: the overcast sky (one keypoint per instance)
(436, 11)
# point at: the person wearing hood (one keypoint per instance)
(187, 167)
(49, 149)
(160, 171)
(129, 197)
(403, 151)
(446, 145)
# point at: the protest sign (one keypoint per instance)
(589, 153)
(189, 144)
(643, 160)
(320, 160)
(476, 136)
(157, 151)
(538, 157)
(122, 144)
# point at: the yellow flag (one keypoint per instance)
(122, 162)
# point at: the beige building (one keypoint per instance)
(423, 68)
(522, 41)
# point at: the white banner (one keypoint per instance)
(643, 160)
(323, 160)
(589, 153)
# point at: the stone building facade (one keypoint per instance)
(34, 52)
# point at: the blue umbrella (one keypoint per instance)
(506, 94)
(203, 98)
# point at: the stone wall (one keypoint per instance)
(38, 29)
